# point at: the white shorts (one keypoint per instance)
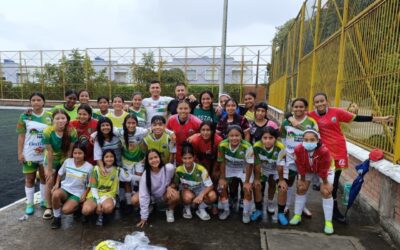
(105, 197)
(275, 173)
(331, 176)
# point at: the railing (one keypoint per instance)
(351, 51)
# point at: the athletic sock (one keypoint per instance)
(247, 206)
(259, 205)
(128, 197)
(29, 191)
(42, 188)
(299, 203)
(225, 204)
(187, 207)
(281, 208)
(203, 205)
(57, 212)
(327, 205)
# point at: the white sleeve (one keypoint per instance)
(97, 152)
(250, 155)
(124, 176)
(144, 198)
(172, 147)
(281, 158)
(95, 194)
(62, 171)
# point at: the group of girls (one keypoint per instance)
(92, 160)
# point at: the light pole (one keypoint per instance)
(223, 47)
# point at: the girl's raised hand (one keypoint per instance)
(141, 223)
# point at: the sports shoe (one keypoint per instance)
(295, 220)
(328, 227)
(56, 223)
(99, 221)
(224, 214)
(203, 215)
(30, 209)
(48, 214)
(246, 218)
(187, 213)
(43, 204)
(282, 219)
(307, 213)
(256, 215)
(170, 215)
(270, 207)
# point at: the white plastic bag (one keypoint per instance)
(134, 241)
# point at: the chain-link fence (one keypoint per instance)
(351, 51)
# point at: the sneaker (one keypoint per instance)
(282, 219)
(246, 218)
(224, 214)
(43, 204)
(48, 214)
(328, 227)
(30, 209)
(307, 213)
(270, 207)
(99, 221)
(170, 215)
(256, 215)
(56, 223)
(187, 213)
(316, 187)
(203, 215)
(295, 220)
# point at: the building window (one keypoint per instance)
(120, 76)
(212, 74)
(191, 74)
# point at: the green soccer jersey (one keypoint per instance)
(236, 160)
(293, 136)
(132, 152)
(141, 116)
(197, 178)
(163, 145)
(32, 126)
(269, 159)
(205, 115)
(107, 185)
(71, 113)
(51, 138)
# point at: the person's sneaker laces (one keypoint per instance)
(246, 218)
(295, 220)
(256, 215)
(187, 213)
(56, 223)
(170, 215)
(202, 214)
(99, 221)
(282, 219)
(328, 227)
(30, 209)
(224, 214)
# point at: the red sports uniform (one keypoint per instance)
(202, 150)
(84, 132)
(182, 132)
(331, 133)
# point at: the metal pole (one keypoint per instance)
(257, 68)
(314, 57)
(223, 47)
(303, 12)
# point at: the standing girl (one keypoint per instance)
(85, 126)
(249, 108)
(83, 96)
(102, 103)
(69, 106)
(194, 183)
(155, 187)
(30, 148)
(205, 110)
(138, 110)
(313, 160)
(260, 122)
(118, 115)
(236, 159)
(59, 140)
(269, 162)
(184, 125)
(74, 178)
(104, 187)
(232, 118)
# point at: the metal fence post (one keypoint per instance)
(396, 153)
(303, 13)
(109, 74)
(314, 56)
(342, 47)
(1, 79)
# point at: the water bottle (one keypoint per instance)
(346, 192)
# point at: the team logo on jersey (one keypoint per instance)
(48, 119)
(33, 131)
(275, 154)
(334, 119)
(164, 146)
(191, 131)
(39, 150)
(241, 153)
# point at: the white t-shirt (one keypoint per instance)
(156, 107)
(76, 179)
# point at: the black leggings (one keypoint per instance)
(336, 183)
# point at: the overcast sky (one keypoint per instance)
(54, 24)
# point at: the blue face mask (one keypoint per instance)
(310, 146)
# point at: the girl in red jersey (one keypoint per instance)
(328, 120)
(85, 126)
(184, 125)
